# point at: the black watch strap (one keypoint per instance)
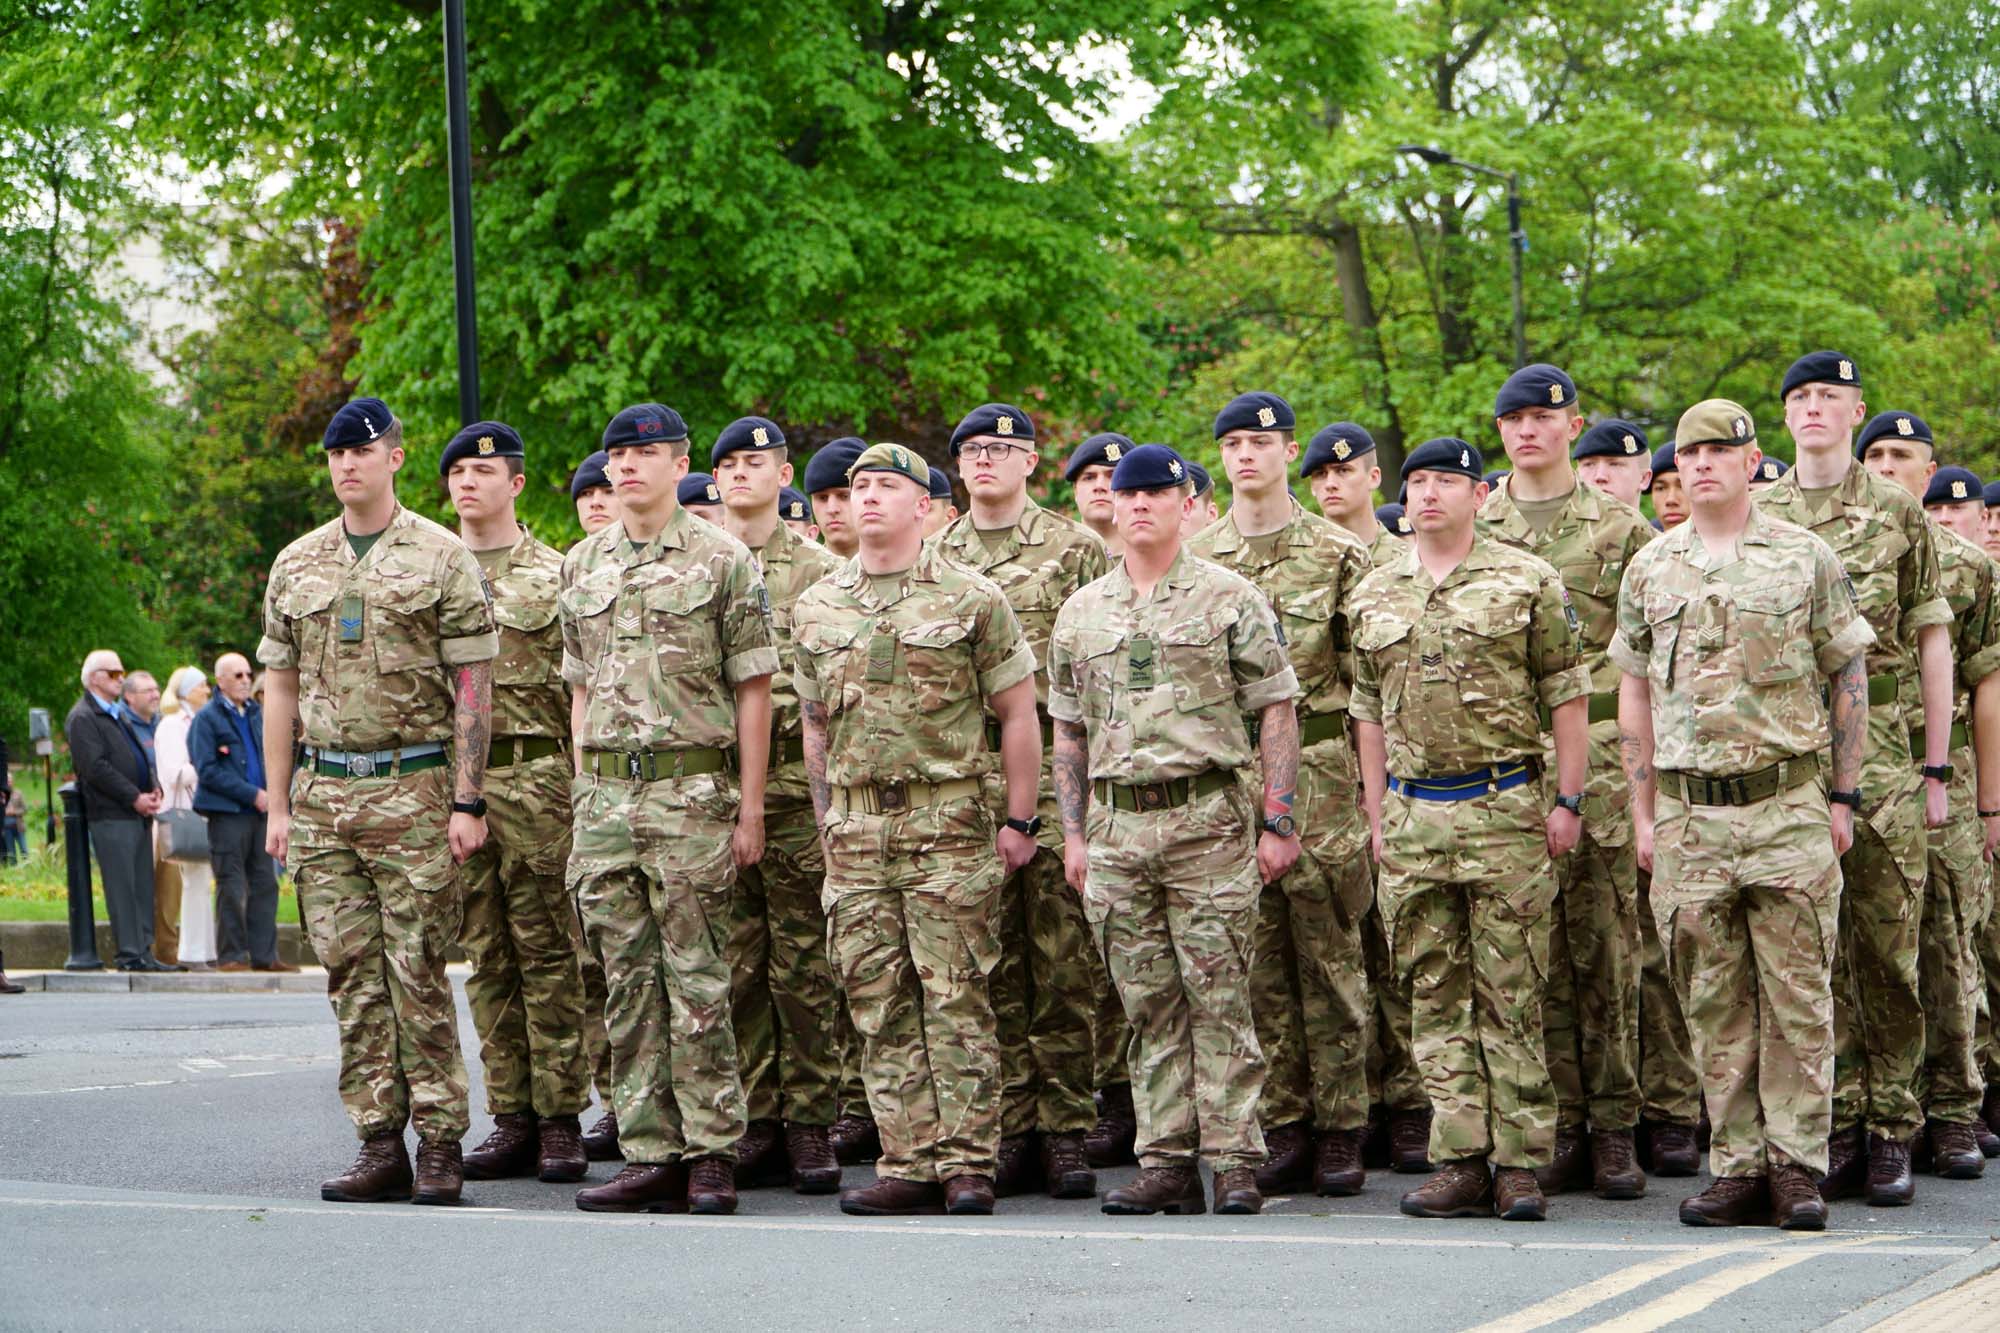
(1573, 804)
(1851, 799)
(1030, 826)
(475, 806)
(1942, 772)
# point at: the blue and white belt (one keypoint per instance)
(1467, 786)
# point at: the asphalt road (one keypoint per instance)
(159, 1160)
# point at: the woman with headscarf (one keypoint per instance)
(187, 691)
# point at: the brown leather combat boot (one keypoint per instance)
(1236, 1192)
(509, 1151)
(1846, 1164)
(1109, 1142)
(1289, 1167)
(1955, 1153)
(1891, 1184)
(1174, 1190)
(381, 1173)
(889, 1197)
(968, 1196)
(1338, 1172)
(1673, 1150)
(1729, 1201)
(1066, 1169)
(1614, 1165)
(440, 1173)
(855, 1139)
(600, 1144)
(760, 1155)
(1517, 1195)
(639, 1187)
(1569, 1169)
(1459, 1189)
(1017, 1166)
(814, 1167)
(1410, 1139)
(560, 1159)
(1795, 1201)
(711, 1186)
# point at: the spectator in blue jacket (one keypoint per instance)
(227, 748)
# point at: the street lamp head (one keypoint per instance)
(1435, 156)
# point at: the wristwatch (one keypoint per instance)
(1851, 799)
(1573, 804)
(1282, 825)
(475, 807)
(1942, 772)
(1030, 826)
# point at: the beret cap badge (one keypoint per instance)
(760, 437)
(1003, 425)
(713, 493)
(486, 444)
(1111, 452)
(1846, 370)
(1341, 450)
(1266, 417)
(1556, 394)
(1740, 426)
(1958, 490)
(1903, 426)
(1174, 466)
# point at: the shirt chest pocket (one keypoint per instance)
(530, 649)
(586, 609)
(1874, 571)
(1664, 613)
(1773, 630)
(1485, 650)
(1307, 618)
(834, 656)
(1197, 658)
(1094, 670)
(1386, 643)
(678, 617)
(403, 618)
(1593, 591)
(309, 612)
(937, 660)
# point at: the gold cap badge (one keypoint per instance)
(1003, 425)
(485, 444)
(1847, 370)
(1266, 417)
(1111, 452)
(760, 437)
(714, 494)
(1631, 445)
(1341, 449)
(1556, 394)
(1958, 490)
(1903, 426)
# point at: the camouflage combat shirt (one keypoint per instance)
(790, 565)
(372, 639)
(529, 697)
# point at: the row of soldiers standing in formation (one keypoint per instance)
(1020, 846)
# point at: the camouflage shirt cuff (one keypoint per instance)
(1836, 651)
(805, 686)
(1937, 611)
(1364, 706)
(1626, 658)
(1261, 694)
(1980, 665)
(1065, 707)
(472, 648)
(748, 666)
(1557, 690)
(1019, 666)
(574, 672)
(276, 655)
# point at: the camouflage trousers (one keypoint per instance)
(1172, 895)
(1468, 893)
(1044, 998)
(525, 992)
(1308, 971)
(853, 1093)
(596, 1040)
(913, 900)
(381, 900)
(1393, 1080)
(1591, 1018)
(1746, 900)
(1668, 1081)
(1878, 1013)
(652, 871)
(1957, 900)
(784, 993)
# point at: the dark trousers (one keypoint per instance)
(246, 890)
(124, 851)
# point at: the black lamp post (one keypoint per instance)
(459, 136)
(1437, 157)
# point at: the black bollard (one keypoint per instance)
(82, 919)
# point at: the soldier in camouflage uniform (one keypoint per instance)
(1879, 532)
(1153, 672)
(378, 639)
(1308, 975)
(668, 650)
(1045, 989)
(1729, 628)
(1457, 643)
(901, 654)
(785, 992)
(1088, 471)
(1591, 1019)
(519, 932)
(1958, 887)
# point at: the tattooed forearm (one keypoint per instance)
(813, 716)
(1072, 770)
(472, 728)
(1637, 756)
(1278, 741)
(1850, 722)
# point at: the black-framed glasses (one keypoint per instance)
(994, 451)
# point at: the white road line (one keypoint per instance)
(1697, 1296)
(302, 1064)
(903, 1228)
(1579, 1298)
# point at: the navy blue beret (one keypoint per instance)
(1103, 449)
(1953, 486)
(1254, 411)
(827, 469)
(746, 433)
(940, 485)
(1992, 494)
(1539, 385)
(356, 423)
(1002, 419)
(793, 507)
(1895, 426)
(1203, 483)
(1770, 469)
(590, 473)
(698, 488)
(1821, 368)
(1449, 454)
(1663, 459)
(644, 423)
(1612, 438)
(482, 439)
(1496, 476)
(1149, 467)
(1391, 516)
(1335, 444)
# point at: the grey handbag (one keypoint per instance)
(187, 835)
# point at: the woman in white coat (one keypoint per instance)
(187, 691)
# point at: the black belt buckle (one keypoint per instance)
(635, 764)
(893, 796)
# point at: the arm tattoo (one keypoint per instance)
(1279, 742)
(813, 717)
(472, 727)
(1072, 772)
(1850, 722)
(1638, 763)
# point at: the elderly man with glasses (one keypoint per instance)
(121, 794)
